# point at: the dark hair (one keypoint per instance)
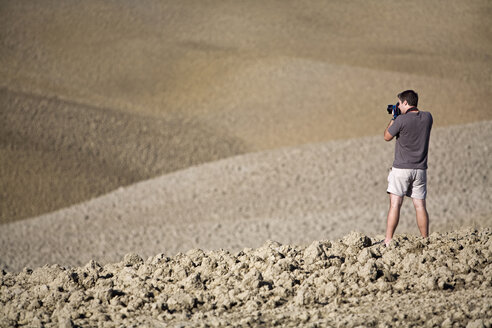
(410, 96)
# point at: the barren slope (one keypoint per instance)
(210, 79)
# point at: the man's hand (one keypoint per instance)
(387, 135)
(395, 113)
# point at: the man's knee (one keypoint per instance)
(419, 203)
(395, 201)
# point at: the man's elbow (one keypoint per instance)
(387, 136)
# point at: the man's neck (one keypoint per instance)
(412, 109)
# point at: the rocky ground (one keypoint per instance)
(445, 281)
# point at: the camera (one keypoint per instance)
(394, 109)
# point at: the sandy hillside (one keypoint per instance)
(292, 195)
(101, 95)
(442, 281)
(59, 152)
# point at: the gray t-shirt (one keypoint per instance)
(412, 132)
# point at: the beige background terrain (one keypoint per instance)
(99, 95)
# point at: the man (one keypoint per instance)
(408, 176)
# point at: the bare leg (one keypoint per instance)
(393, 216)
(422, 216)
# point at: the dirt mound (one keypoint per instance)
(445, 280)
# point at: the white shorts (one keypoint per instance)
(408, 182)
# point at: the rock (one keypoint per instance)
(180, 302)
(159, 259)
(196, 255)
(364, 255)
(305, 295)
(65, 322)
(132, 259)
(476, 324)
(314, 252)
(93, 265)
(357, 240)
(369, 271)
(193, 282)
(252, 279)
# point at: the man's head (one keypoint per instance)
(408, 99)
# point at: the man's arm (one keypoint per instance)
(387, 135)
